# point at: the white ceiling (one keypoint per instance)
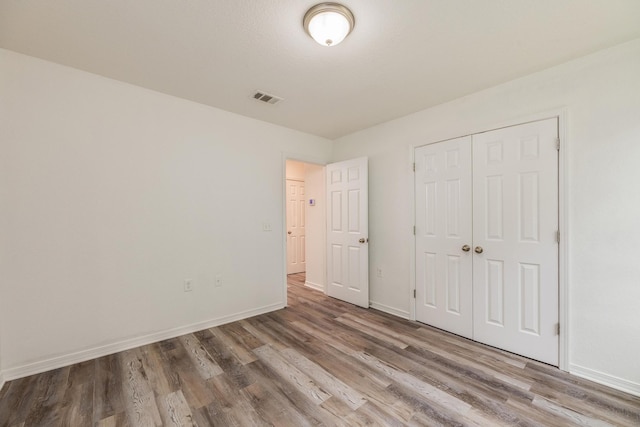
(403, 55)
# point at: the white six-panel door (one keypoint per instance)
(296, 262)
(443, 236)
(496, 192)
(515, 224)
(347, 231)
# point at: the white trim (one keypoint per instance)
(2, 380)
(412, 252)
(563, 247)
(561, 114)
(390, 310)
(104, 350)
(605, 379)
(315, 286)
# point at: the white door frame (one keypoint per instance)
(304, 159)
(563, 218)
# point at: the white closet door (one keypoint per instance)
(515, 221)
(443, 236)
(347, 231)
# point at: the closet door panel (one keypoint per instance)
(515, 206)
(443, 227)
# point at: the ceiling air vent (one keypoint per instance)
(265, 97)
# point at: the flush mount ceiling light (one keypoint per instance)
(328, 23)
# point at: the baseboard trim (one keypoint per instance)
(2, 381)
(104, 350)
(315, 286)
(390, 310)
(605, 379)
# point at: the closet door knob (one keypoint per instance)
(466, 248)
(479, 249)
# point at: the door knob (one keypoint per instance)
(363, 240)
(479, 249)
(288, 232)
(466, 248)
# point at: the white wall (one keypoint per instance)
(294, 170)
(601, 93)
(316, 226)
(111, 195)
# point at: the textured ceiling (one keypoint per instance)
(403, 55)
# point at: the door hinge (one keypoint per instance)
(414, 167)
(414, 230)
(557, 328)
(558, 236)
(558, 144)
(414, 293)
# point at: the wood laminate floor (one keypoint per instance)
(318, 362)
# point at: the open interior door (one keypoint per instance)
(347, 231)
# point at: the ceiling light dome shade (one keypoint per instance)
(328, 23)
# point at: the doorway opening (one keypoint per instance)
(305, 223)
(335, 252)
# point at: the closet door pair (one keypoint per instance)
(486, 238)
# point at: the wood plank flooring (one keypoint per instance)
(318, 362)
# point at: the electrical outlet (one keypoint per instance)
(379, 271)
(218, 282)
(266, 226)
(188, 285)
